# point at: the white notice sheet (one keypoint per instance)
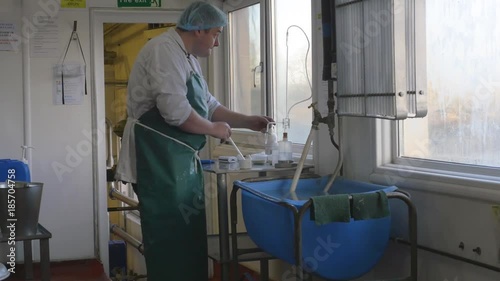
(9, 41)
(69, 83)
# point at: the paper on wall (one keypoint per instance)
(71, 76)
(45, 40)
(8, 40)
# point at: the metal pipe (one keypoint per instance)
(26, 89)
(223, 225)
(234, 231)
(123, 83)
(448, 255)
(115, 194)
(109, 153)
(115, 229)
(298, 215)
(340, 161)
(412, 224)
(119, 209)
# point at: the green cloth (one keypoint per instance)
(370, 205)
(330, 208)
(171, 196)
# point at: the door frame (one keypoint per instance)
(99, 16)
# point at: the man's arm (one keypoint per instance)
(238, 120)
(196, 124)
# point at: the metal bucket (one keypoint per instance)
(20, 207)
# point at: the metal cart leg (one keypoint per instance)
(412, 222)
(45, 259)
(234, 234)
(28, 260)
(264, 270)
(223, 226)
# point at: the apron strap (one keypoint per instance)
(196, 157)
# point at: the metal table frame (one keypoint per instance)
(43, 235)
(222, 173)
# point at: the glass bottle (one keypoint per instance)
(285, 149)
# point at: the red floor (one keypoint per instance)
(85, 270)
(242, 270)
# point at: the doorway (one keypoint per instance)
(111, 66)
(122, 43)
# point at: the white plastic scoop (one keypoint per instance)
(237, 149)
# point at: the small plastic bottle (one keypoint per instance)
(271, 138)
(285, 149)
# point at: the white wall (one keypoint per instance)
(11, 96)
(11, 92)
(61, 134)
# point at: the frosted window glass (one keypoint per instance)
(245, 58)
(286, 14)
(463, 74)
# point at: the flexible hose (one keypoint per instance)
(300, 165)
(339, 163)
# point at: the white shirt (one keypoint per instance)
(158, 78)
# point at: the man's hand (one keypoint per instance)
(220, 130)
(238, 120)
(258, 123)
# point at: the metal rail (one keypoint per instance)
(115, 194)
(115, 229)
(448, 255)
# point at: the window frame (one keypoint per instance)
(469, 181)
(267, 74)
(267, 100)
(385, 165)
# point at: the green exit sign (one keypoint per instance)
(139, 3)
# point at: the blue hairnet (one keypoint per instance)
(200, 16)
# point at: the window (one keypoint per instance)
(245, 61)
(270, 61)
(463, 78)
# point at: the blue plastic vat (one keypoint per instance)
(21, 170)
(339, 251)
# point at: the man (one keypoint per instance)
(170, 111)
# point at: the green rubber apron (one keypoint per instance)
(171, 195)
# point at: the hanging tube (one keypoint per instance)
(300, 165)
(339, 163)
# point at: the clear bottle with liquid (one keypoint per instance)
(285, 149)
(271, 138)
